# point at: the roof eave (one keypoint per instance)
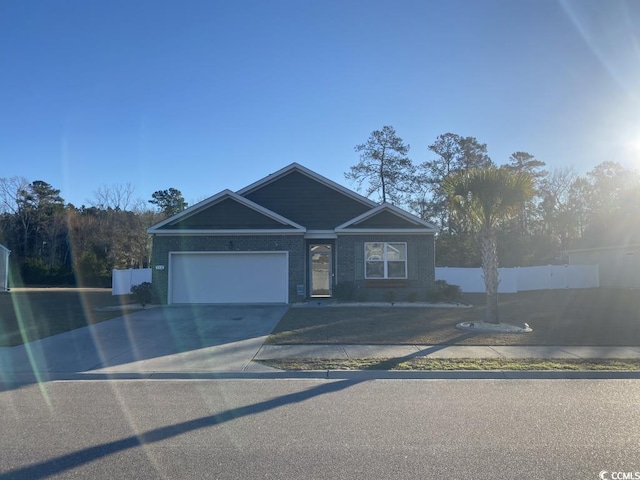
(228, 232)
(382, 231)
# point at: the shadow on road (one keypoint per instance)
(69, 461)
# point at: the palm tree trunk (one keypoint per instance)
(490, 272)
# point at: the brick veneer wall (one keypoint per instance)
(420, 266)
(162, 245)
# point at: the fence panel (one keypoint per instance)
(508, 280)
(558, 277)
(123, 280)
(534, 278)
(521, 279)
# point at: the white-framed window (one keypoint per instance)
(385, 260)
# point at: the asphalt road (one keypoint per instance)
(321, 429)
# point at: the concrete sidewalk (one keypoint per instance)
(346, 352)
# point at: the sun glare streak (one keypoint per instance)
(138, 431)
(631, 26)
(22, 313)
(97, 343)
(626, 147)
(633, 147)
(608, 31)
(119, 396)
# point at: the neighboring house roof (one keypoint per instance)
(5, 249)
(291, 200)
(633, 246)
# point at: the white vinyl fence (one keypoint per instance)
(123, 280)
(520, 279)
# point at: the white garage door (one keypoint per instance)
(234, 277)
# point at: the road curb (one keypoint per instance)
(16, 380)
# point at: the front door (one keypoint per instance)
(320, 268)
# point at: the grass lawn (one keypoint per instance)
(603, 317)
(423, 363)
(30, 315)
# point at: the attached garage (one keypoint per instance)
(228, 277)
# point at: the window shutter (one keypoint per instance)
(413, 262)
(358, 260)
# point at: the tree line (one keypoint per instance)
(56, 243)
(565, 210)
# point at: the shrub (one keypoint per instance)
(441, 291)
(345, 291)
(389, 296)
(142, 293)
(412, 297)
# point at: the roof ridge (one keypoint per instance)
(272, 177)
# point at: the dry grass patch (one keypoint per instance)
(28, 316)
(428, 364)
(604, 317)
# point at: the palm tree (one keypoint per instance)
(484, 198)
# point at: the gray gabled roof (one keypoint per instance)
(281, 224)
(307, 198)
(292, 200)
(309, 173)
(405, 222)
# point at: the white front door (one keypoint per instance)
(321, 270)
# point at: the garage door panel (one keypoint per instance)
(229, 278)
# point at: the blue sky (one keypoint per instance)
(206, 95)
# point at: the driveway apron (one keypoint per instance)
(198, 338)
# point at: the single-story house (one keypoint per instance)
(289, 237)
(4, 268)
(618, 266)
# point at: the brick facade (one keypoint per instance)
(420, 267)
(349, 264)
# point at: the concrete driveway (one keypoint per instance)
(189, 339)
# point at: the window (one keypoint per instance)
(385, 260)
